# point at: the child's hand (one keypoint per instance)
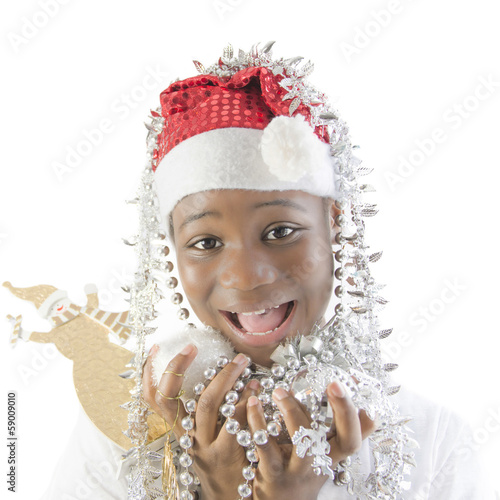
(217, 458)
(281, 474)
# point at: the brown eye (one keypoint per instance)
(279, 232)
(207, 244)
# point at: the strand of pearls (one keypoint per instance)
(292, 376)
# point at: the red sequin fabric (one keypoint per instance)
(251, 98)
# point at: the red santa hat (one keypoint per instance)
(238, 132)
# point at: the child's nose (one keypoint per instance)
(245, 269)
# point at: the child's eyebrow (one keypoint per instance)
(195, 217)
(284, 202)
(209, 213)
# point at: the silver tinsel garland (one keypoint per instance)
(350, 339)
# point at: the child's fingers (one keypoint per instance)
(270, 458)
(167, 394)
(348, 433)
(368, 426)
(149, 389)
(295, 416)
(207, 412)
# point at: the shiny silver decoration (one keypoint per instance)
(252, 456)
(383, 334)
(199, 67)
(232, 397)
(389, 367)
(248, 473)
(210, 373)
(232, 426)
(313, 443)
(187, 423)
(185, 442)
(260, 437)
(244, 438)
(244, 490)
(374, 257)
(227, 410)
(273, 428)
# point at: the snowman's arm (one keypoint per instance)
(91, 292)
(41, 337)
(18, 332)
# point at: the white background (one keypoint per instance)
(396, 71)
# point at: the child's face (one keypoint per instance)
(241, 252)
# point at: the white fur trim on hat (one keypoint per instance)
(232, 158)
(54, 297)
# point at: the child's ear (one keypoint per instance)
(334, 227)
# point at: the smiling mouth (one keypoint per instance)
(260, 323)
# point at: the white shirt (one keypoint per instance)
(447, 465)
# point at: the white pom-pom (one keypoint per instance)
(291, 149)
(211, 345)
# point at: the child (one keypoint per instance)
(256, 180)
(232, 261)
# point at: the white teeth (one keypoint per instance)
(262, 311)
(262, 333)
